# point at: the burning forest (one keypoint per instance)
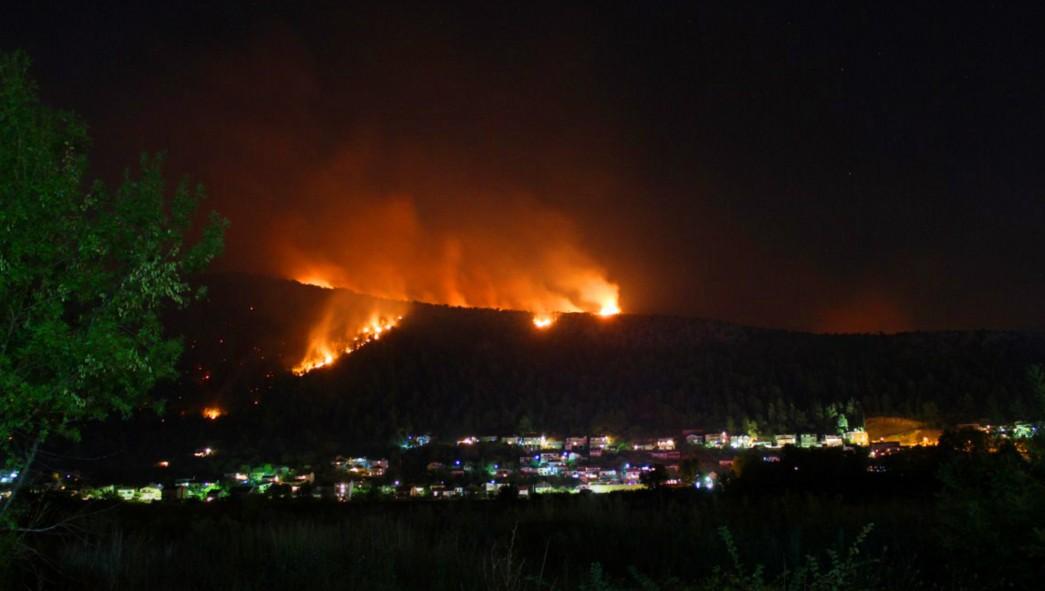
(345, 326)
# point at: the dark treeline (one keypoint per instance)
(453, 371)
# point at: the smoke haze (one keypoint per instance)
(863, 171)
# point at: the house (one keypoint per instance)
(807, 440)
(550, 469)
(533, 441)
(858, 437)
(716, 439)
(666, 443)
(576, 443)
(831, 441)
(644, 445)
(740, 441)
(694, 439)
(493, 487)
(550, 443)
(788, 439)
(600, 442)
(441, 491)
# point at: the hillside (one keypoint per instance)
(456, 371)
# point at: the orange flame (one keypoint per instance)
(393, 250)
(325, 348)
(543, 321)
(213, 412)
(315, 281)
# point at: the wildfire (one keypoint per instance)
(323, 352)
(609, 307)
(543, 320)
(212, 412)
(315, 281)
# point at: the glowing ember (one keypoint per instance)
(543, 321)
(323, 353)
(212, 412)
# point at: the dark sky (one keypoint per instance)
(847, 168)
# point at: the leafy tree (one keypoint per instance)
(843, 424)
(85, 272)
(992, 507)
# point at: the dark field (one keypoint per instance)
(651, 540)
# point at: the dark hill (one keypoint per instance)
(454, 371)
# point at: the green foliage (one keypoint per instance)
(992, 505)
(638, 541)
(842, 571)
(596, 580)
(736, 575)
(84, 273)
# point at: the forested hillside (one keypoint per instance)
(458, 371)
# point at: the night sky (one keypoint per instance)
(858, 167)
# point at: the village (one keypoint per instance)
(491, 467)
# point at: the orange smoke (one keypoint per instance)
(463, 194)
(524, 257)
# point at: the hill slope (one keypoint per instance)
(459, 371)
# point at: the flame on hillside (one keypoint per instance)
(389, 250)
(344, 329)
(543, 320)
